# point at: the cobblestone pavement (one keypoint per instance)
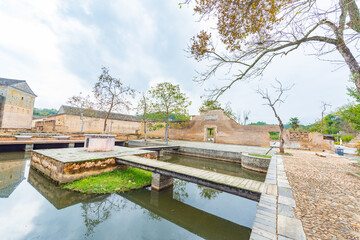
(327, 196)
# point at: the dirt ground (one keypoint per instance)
(327, 195)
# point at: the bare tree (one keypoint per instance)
(242, 117)
(245, 116)
(323, 110)
(272, 102)
(256, 32)
(83, 105)
(111, 94)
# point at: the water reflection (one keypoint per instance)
(186, 211)
(97, 212)
(213, 165)
(167, 204)
(58, 197)
(11, 172)
(201, 223)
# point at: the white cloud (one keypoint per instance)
(30, 48)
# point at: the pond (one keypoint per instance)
(228, 168)
(32, 207)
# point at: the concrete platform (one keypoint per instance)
(68, 164)
(67, 155)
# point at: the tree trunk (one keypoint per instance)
(167, 128)
(281, 126)
(351, 62)
(282, 141)
(82, 122)
(322, 122)
(108, 113)
(145, 130)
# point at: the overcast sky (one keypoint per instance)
(59, 47)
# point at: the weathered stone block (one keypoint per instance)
(99, 142)
(259, 164)
(160, 181)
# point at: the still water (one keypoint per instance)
(228, 168)
(32, 207)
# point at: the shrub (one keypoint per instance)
(337, 143)
(274, 135)
(347, 138)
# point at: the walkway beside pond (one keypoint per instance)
(216, 146)
(327, 196)
(236, 185)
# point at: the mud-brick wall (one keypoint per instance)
(17, 110)
(226, 130)
(71, 124)
(299, 136)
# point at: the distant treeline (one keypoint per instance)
(286, 126)
(45, 111)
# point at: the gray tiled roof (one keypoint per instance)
(17, 84)
(97, 114)
(7, 190)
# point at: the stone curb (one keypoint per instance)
(275, 218)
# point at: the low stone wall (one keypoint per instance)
(67, 172)
(259, 164)
(211, 153)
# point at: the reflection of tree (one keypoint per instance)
(179, 190)
(208, 193)
(153, 216)
(95, 213)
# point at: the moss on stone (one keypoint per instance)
(112, 182)
(257, 155)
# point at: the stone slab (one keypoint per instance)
(67, 155)
(290, 228)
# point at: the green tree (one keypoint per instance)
(294, 123)
(111, 94)
(167, 99)
(259, 123)
(209, 105)
(143, 110)
(44, 111)
(255, 32)
(351, 111)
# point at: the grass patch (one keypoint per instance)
(112, 182)
(256, 155)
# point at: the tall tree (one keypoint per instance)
(294, 123)
(167, 99)
(83, 105)
(272, 102)
(255, 32)
(111, 94)
(143, 110)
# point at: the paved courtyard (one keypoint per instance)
(327, 195)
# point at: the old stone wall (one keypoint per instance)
(68, 172)
(254, 163)
(307, 140)
(226, 130)
(70, 124)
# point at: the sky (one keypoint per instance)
(59, 47)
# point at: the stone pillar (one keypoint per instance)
(160, 153)
(160, 181)
(29, 147)
(71, 145)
